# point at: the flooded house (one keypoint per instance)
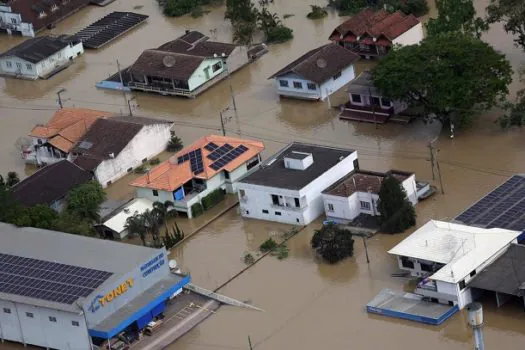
(50, 185)
(211, 163)
(316, 74)
(287, 187)
(41, 57)
(53, 141)
(113, 226)
(28, 17)
(113, 147)
(186, 66)
(358, 194)
(372, 33)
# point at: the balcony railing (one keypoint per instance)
(288, 207)
(147, 87)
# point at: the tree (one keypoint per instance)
(240, 11)
(514, 112)
(512, 14)
(317, 12)
(12, 179)
(415, 7)
(397, 213)
(270, 24)
(84, 201)
(165, 211)
(456, 16)
(446, 74)
(333, 243)
(175, 144)
(152, 222)
(70, 222)
(136, 226)
(171, 239)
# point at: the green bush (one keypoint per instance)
(171, 239)
(416, 7)
(154, 161)
(248, 259)
(317, 12)
(140, 169)
(333, 243)
(268, 245)
(196, 210)
(212, 199)
(397, 213)
(278, 34)
(348, 7)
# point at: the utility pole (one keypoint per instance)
(364, 236)
(126, 102)
(475, 320)
(60, 97)
(250, 343)
(129, 106)
(435, 163)
(373, 107)
(222, 125)
(233, 100)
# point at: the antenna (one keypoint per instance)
(321, 63)
(168, 61)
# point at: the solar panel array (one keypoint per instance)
(46, 280)
(195, 158)
(502, 208)
(228, 157)
(219, 152)
(211, 147)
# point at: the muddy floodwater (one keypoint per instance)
(308, 305)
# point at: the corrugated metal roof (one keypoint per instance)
(461, 248)
(138, 205)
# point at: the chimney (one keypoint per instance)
(298, 160)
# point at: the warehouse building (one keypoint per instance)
(64, 291)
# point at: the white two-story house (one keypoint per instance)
(317, 74)
(358, 193)
(210, 163)
(40, 57)
(11, 22)
(287, 187)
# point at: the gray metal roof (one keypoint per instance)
(363, 85)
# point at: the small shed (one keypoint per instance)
(114, 226)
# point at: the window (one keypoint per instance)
(297, 202)
(374, 101)
(52, 319)
(13, 20)
(297, 85)
(407, 263)
(265, 211)
(129, 170)
(297, 220)
(283, 83)
(330, 207)
(60, 55)
(365, 205)
(216, 67)
(29, 314)
(29, 66)
(109, 183)
(335, 77)
(386, 102)
(278, 213)
(144, 160)
(8, 64)
(462, 285)
(311, 86)
(473, 273)
(242, 193)
(226, 175)
(7, 310)
(39, 141)
(356, 164)
(75, 323)
(155, 193)
(19, 65)
(275, 199)
(252, 163)
(426, 267)
(356, 98)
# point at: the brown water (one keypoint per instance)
(307, 304)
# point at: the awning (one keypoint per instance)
(144, 306)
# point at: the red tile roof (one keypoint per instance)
(363, 181)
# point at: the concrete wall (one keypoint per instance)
(13, 22)
(237, 59)
(38, 330)
(150, 141)
(291, 91)
(411, 37)
(330, 86)
(199, 76)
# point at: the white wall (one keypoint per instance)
(237, 59)
(150, 141)
(13, 21)
(410, 187)
(330, 86)
(411, 37)
(199, 77)
(343, 209)
(291, 91)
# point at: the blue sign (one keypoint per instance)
(152, 265)
(95, 304)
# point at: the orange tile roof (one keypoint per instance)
(169, 175)
(68, 124)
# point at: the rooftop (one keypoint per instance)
(203, 159)
(37, 49)
(363, 85)
(50, 183)
(320, 64)
(153, 62)
(461, 248)
(504, 207)
(273, 172)
(117, 223)
(375, 24)
(505, 275)
(363, 181)
(197, 44)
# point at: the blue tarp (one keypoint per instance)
(179, 194)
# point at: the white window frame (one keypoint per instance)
(330, 207)
(365, 205)
(8, 64)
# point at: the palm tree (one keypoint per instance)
(135, 225)
(165, 211)
(152, 222)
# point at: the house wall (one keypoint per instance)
(39, 330)
(411, 37)
(258, 198)
(330, 86)
(199, 77)
(290, 91)
(237, 59)
(411, 189)
(13, 22)
(150, 141)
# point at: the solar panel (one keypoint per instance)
(215, 166)
(211, 147)
(221, 160)
(180, 160)
(47, 280)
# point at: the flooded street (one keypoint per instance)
(308, 305)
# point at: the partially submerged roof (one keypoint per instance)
(67, 126)
(363, 181)
(117, 223)
(461, 248)
(505, 275)
(40, 48)
(203, 159)
(375, 24)
(320, 64)
(153, 62)
(50, 183)
(195, 43)
(274, 173)
(504, 207)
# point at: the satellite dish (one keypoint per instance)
(168, 61)
(172, 264)
(321, 63)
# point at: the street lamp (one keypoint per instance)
(60, 98)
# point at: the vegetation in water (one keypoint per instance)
(248, 258)
(154, 161)
(171, 239)
(350, 7)
(268, 245)
(177, 8)
(288, 15)
(141, 169)
(174, 144)
(512, 14)
(317, 12)
(397, 213)
(332, 243)
(151, 221)
(457, 16)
